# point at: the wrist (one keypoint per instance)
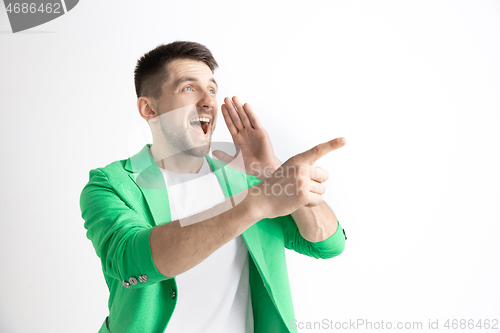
(277, 164)
(270, 169)
(256, 203)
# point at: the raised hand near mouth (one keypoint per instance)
(254, 151)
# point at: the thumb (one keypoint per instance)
(312, 155)
(222, 156)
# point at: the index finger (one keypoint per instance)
(312, 155)
(252, 116)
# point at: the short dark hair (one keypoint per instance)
(151, 70)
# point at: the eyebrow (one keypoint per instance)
(188, 79)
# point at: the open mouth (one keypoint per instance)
(200, 124)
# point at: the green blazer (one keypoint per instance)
(121, 204)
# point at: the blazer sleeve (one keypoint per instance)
(119, 234)
(328, 248)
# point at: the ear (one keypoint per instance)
(147, 108)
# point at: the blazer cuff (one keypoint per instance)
(332, 242)
(148, 267)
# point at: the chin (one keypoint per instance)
(198, 151)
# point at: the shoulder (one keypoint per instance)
(110, 172)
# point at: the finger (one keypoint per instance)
(241, 112)
(318, 174)
(238, 154)
(222, 156)
(233, 113)
(312, 155)
(229, 122)
(237, 161)
(317, 188)
(314, 200)
(252, 116)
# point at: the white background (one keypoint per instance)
(413, 86)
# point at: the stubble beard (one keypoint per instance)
(182, 141)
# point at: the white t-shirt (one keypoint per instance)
(213, 296)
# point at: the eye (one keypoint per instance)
(188, 88)
(212, 91)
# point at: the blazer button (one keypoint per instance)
(126, 284)
(143, 278)
(132, 281)
(172, 293)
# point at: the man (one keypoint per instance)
(194, 244)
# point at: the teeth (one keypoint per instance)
(200, 119)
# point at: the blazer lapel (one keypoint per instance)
(148, 177)
(233, 182)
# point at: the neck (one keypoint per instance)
(175, 161)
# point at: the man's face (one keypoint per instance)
(188, 95)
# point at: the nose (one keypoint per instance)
(207, 101)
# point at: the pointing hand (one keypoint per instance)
(296, 183)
